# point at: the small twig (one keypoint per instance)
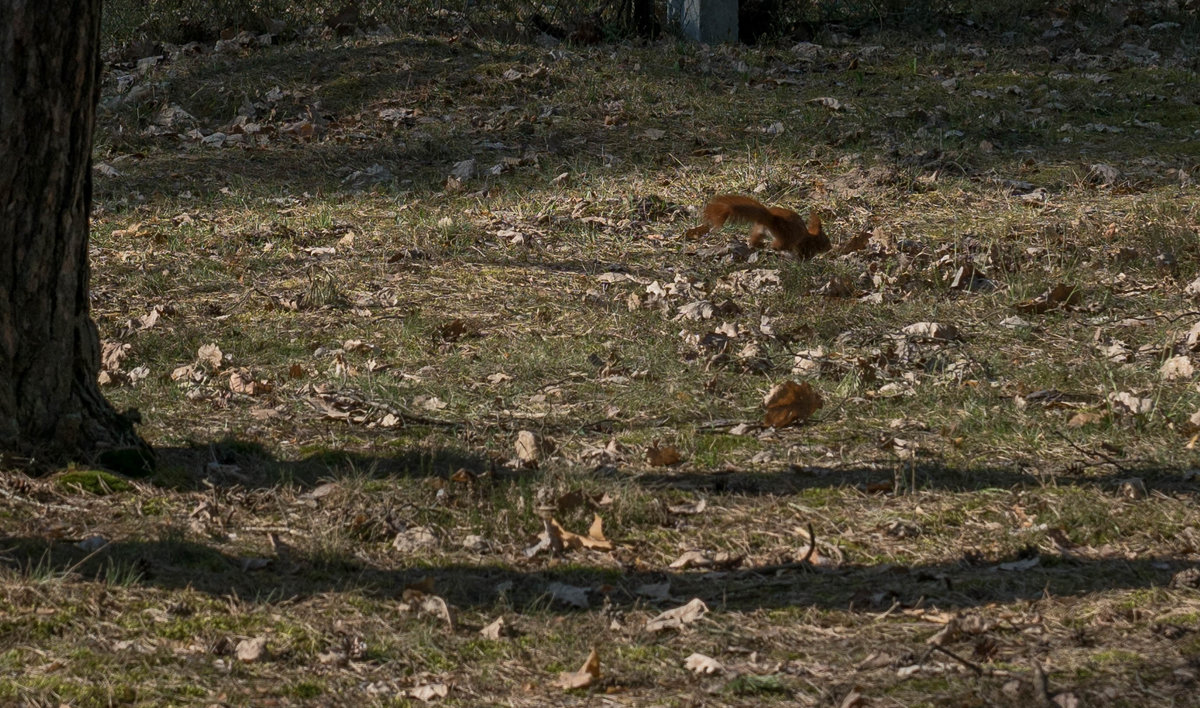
(1041, 687)
(75, 566)
(1082, 451)
(1167, 318)
(812, 543)
(969, 664)
(888, 612)
(722, 423)
(410, 419)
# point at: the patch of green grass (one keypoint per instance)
(711, 449)
(305, 690)
(756, 685)
(187, 628)
(923, 686)
(98, 482)
(68, 689)
(122, 573)
(1116, 657)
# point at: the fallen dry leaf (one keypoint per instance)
(414, 539)
(1133, 488)
(1103, 174)
(828, 101)
(429, 691)
(112, 354)
(1083, 418)
(853, 699)
(241, 381)
(1020, 565)
(529, 448)
(322, 491)
(1192, 289)
(147, 320)
(550, 539)
(249, 650)
(964, 277)
(947, 634)
(495, 630)
(1186, 578)
(476, 543)
(596, 531)
(463, 170)
(931, 330)
(585, 676)
(790, 402)
(1126, 402)
(697, 507)
(1055, 297)
(249, 564)
(133, 230)
(138, 373)
(1192, 338)
(438, 607)
(594, 539)
(429, 403)
(701, 664)
(210, 356)
(1176, 368)
(678, 617)
(302, 129)
(691, 559)
(696, 310)
(839, 286)
(572, 595)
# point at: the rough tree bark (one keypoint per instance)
(51, 407)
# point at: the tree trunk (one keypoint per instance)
(50, 403)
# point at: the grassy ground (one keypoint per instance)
(999, 515)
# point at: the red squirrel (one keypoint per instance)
(787, 229)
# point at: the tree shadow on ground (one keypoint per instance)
(890, 475)
(175, 564)
(247, 464)
(174, 561)
(472, 109)
(250, 464)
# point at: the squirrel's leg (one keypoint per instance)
(756, 235)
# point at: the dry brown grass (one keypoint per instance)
(943, 480)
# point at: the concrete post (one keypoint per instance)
(707, 21)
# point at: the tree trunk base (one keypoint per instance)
(98, 430)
